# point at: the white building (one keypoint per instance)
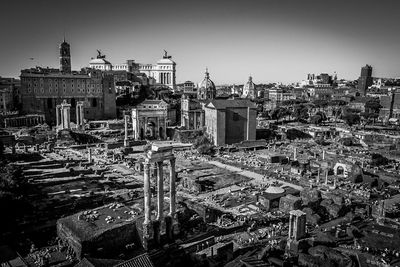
(164, 72)
(100, 62)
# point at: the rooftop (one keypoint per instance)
(231, 103)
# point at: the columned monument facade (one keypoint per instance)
(152, 228)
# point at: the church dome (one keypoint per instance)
(249, 89)
(207, 83)
(207, 88)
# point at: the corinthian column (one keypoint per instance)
(147, 206)
(172, 188)
(160, 191)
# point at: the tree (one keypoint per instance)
(316, 119)
(378, 160)
(373, 105)
(279, 113)
(320, 103)
(11, 179)
(203, 145)
(322, 115)
(368, 117)
(300, 112)
(351, 118)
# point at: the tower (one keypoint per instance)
(365, 79)
(65, 57)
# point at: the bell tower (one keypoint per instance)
(65, 57)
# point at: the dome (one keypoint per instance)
(274, 190)
(206, 88)
(249, 89)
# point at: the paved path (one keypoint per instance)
(255, 176)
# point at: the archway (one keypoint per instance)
(340, 170)
(150, 130)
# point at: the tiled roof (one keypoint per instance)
(139, 261)
(231, 103)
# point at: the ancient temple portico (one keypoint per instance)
(152, 229)
(63, 113)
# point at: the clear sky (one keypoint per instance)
(274, 41)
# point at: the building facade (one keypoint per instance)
(9, 94)
(192, 114)
(100, 62)
(149, 120)
(230, 121)
(42, 89)
(163, 73)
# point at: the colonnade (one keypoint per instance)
(29, 120)
(152, 229)
(63, 113)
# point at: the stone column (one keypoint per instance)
(295, 154)
(323, 154)
(201, 119)
(78, 124)
(126, 117)
(195, 120)
(171, 223)
(172, 188)
(160, 191)
(68, 118)
(147, 205)
(57, 116)
(134, 133)
(145, 126)
(326, 177)
(82, 116)
(319, 175)
(90, 155)
(158, 128)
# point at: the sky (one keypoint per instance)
(271, 40)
